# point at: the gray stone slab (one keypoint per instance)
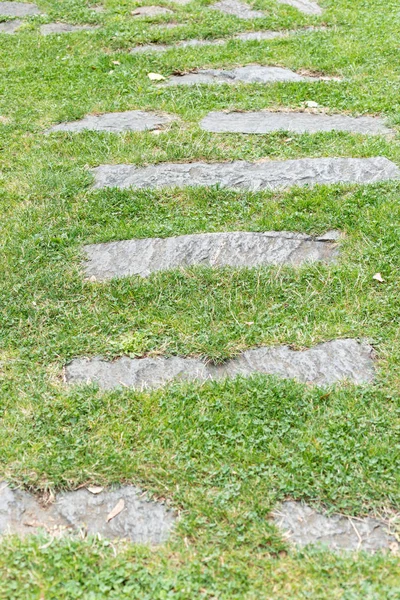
(151, 11)
(247, 74)
(58, 28)
(302, 122)
(140, 521)
(302, 525)
(18, 9)
(238, 249)
(237, 9)
(306, 6)
(241, 175)
(131, 120)
(10, 26)
(324, 364)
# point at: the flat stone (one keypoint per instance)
(241, 175)
(237, 9)
(302, 122)
(324, 364)
(247, 74)
(140, 521)
(57, 28)
(131, 120)
(18, 9)
(234, 249)
(151, 11)
(303, 526)
(10, 26)
(306, 6)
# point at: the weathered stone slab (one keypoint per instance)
(237, 9)
(131, 120)
(241, 175)
(325, 364)
(302, 122)
(151, 11)
(10, 26)
(234, 249)
(306, 6)
(303, 526)
(140, 521)
(58, 28)
(247, 74)
(18, 9)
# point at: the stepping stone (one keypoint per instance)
(247, 74)
(241, 175)
(238, 9)
(151, 11)
(18, 9)
(57, 28)
(10, 26)
(306, 6)
(131, 120)
(139, 520)
(302, 122)
(325, 364)
(303, 525)
(234, 249)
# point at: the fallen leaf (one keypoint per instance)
(119, 507)
(155, 77)
(115, 62)
(378, 277)
(94, 489)
(312, 104)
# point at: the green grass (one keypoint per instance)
(223, 454)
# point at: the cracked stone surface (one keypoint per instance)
(303, 525)
(306, 6)
(18, 9)
(140, 521)
(57, 28)
(10, 26)
(324, 364)
(235, 249)
(151, 11)
(241, 175)
(132, 120)
(237, 9)
(247, 74)
(302, 122)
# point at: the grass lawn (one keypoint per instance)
(222, 454)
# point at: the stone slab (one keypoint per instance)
(301, 122)
(303, 525)
(306, 6)
(151, 11)
(59, 28)
(140, 521)
(10, 26)
(324, 364)
(18, 9)
(237, 249)
(237, 9)
(247, 74)
(241, 175)
(132, 120)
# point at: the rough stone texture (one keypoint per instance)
(264, 175)
(303, 526)
(132, 120)
(141, 521)
(237, 9)
(235, 249)
(18, 9)
(151, 11)
(306, 6)
(248, 74)
(57, 28)
(265, 122)
(325, 364)
(10, 26)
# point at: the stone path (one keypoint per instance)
(302, 122)
(303, 526)
(132, 120)
(59, 28)
(18, 9)
(325, 364)
(235, 249)
(151, 11)
(237, 9)
(241, 175)
(306, 6)
(10, 26)
(82, 511)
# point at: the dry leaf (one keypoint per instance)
(312, 104)
(155, 77)
(94, 489)
(378, 277)
(119, 507)
(115, 62)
